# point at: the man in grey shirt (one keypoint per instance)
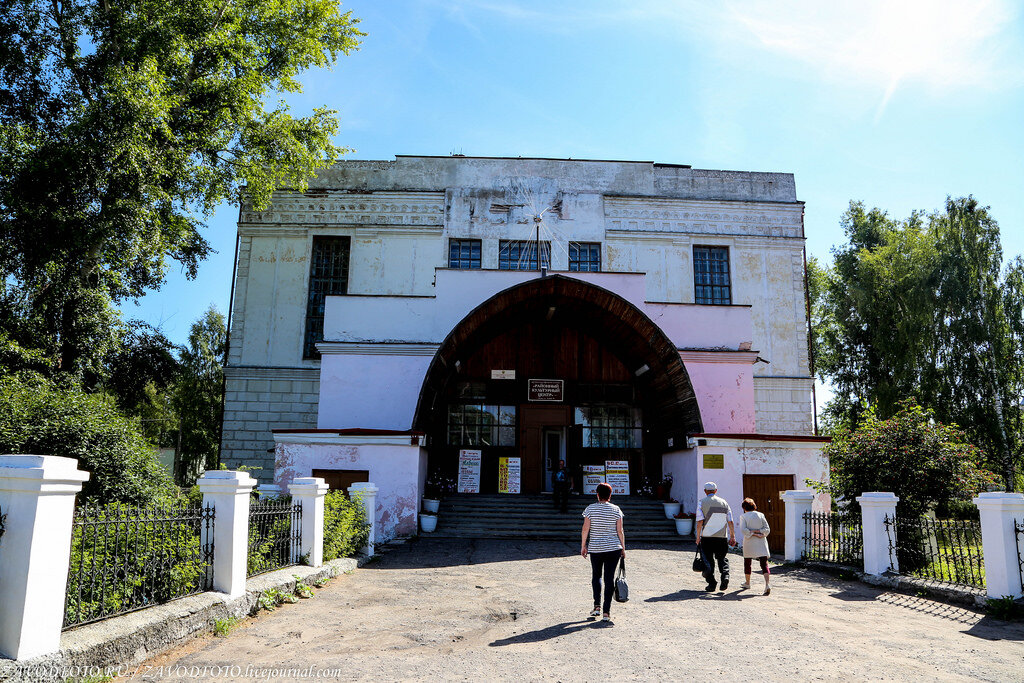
(713, 516)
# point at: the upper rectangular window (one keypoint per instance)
(610, 426)
(328, 275)
(585, 257)
(463, 253)
(479, 424)
(522, 255)
(711, 275)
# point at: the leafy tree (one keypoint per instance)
(922, 461)
(198, 396)
(123, 125)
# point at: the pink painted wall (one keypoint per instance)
(397, 470)
(682, 464)
(725, 396)
(369, 391)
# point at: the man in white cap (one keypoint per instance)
(713, 516)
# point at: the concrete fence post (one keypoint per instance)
(228, 493)
(875, 506)
(37, 498)
(310, 492)
(1000, 545)
(797, 504)
(368, 493)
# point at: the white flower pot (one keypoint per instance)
(684, 527)
(671, 510)
(430, 505)
(428, 523)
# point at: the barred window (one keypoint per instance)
(585, 257)
(610, 426)
(328, 275)
(463, 253)
(522, 255)
(477, 424)
(711, 275)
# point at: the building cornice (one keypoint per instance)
(349, 437)
(331, 348)
(631, 215)
(718, 356)
(337, 207)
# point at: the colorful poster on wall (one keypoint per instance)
(617, 476)
(469, 470)
(509, 475)
(592, 476)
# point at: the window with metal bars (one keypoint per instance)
(481, 425)
(610, 426)
(328, 276)
(711, 275)
(522, 255)
(463, 253)
(585, 257)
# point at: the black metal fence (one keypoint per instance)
(943, 550)
(1018, 527)
(125, 558)
(275, 529)
(833, 537)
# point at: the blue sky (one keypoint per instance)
(895, 103)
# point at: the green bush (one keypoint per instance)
(44, 417)
(957, 509)
(346, 530)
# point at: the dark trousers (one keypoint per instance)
(561, 495)
(714, 549)
(604, 563)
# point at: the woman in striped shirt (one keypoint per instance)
(604, 539)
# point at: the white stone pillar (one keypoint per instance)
(999, 510)
(875, 506)
(310, 492)
(368, 492)
(228, 492)
(797, 504)
(37, 496)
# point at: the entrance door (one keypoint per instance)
(554, 450)
(766, 490)
(535, 422)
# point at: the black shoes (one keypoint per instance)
(711, 587)
(725, 583)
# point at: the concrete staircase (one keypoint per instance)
(534, 517)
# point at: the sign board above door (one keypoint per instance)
(545, 390)
(503, 374)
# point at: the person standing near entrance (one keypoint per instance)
(560, 482)
(713, 516)
(755, 530)
(604, 539)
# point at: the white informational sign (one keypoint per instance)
(617, 476)
(592, 476)
(503, 374)
(509, 475)
(469, 471)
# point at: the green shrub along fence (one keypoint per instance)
(833, 537)
(125, 558)
(942, 550)
(275, 534)
(346, 530)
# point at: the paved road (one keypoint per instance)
(465, 610)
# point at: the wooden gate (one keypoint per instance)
(766, 490)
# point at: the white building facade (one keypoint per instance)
(399, 313)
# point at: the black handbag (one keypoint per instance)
(698, 562)
(621, 589)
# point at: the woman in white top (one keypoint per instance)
(755, 530)
(604, 539)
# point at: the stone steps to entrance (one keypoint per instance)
(534, 517)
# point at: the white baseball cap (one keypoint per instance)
(711, 486)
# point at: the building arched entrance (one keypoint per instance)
(556, 368)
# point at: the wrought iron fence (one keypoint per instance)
(275, 529)
(943, 550)
(125, 558)
(1018, 527)
(833, 537)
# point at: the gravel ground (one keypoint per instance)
(468, 610)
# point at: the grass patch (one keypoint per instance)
(222, 627)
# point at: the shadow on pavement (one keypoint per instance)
(549, 632)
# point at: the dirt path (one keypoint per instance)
(463, 610)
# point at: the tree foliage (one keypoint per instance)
(122, 126)
(922, 461)
(924, 308)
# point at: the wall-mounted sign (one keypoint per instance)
(503, 374)
(509, 475)
(545, 390)
(714, 461)
(592, 476)
(469, 471)
(617, 476)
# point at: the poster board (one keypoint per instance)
(714, 461)
(592, 476)
(509, 475)
(469, 470)
(617, 476)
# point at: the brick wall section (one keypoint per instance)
(259, 400)
(784, 405)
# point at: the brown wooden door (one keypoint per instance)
(532, 421)
(766, 489)
(340, 480)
